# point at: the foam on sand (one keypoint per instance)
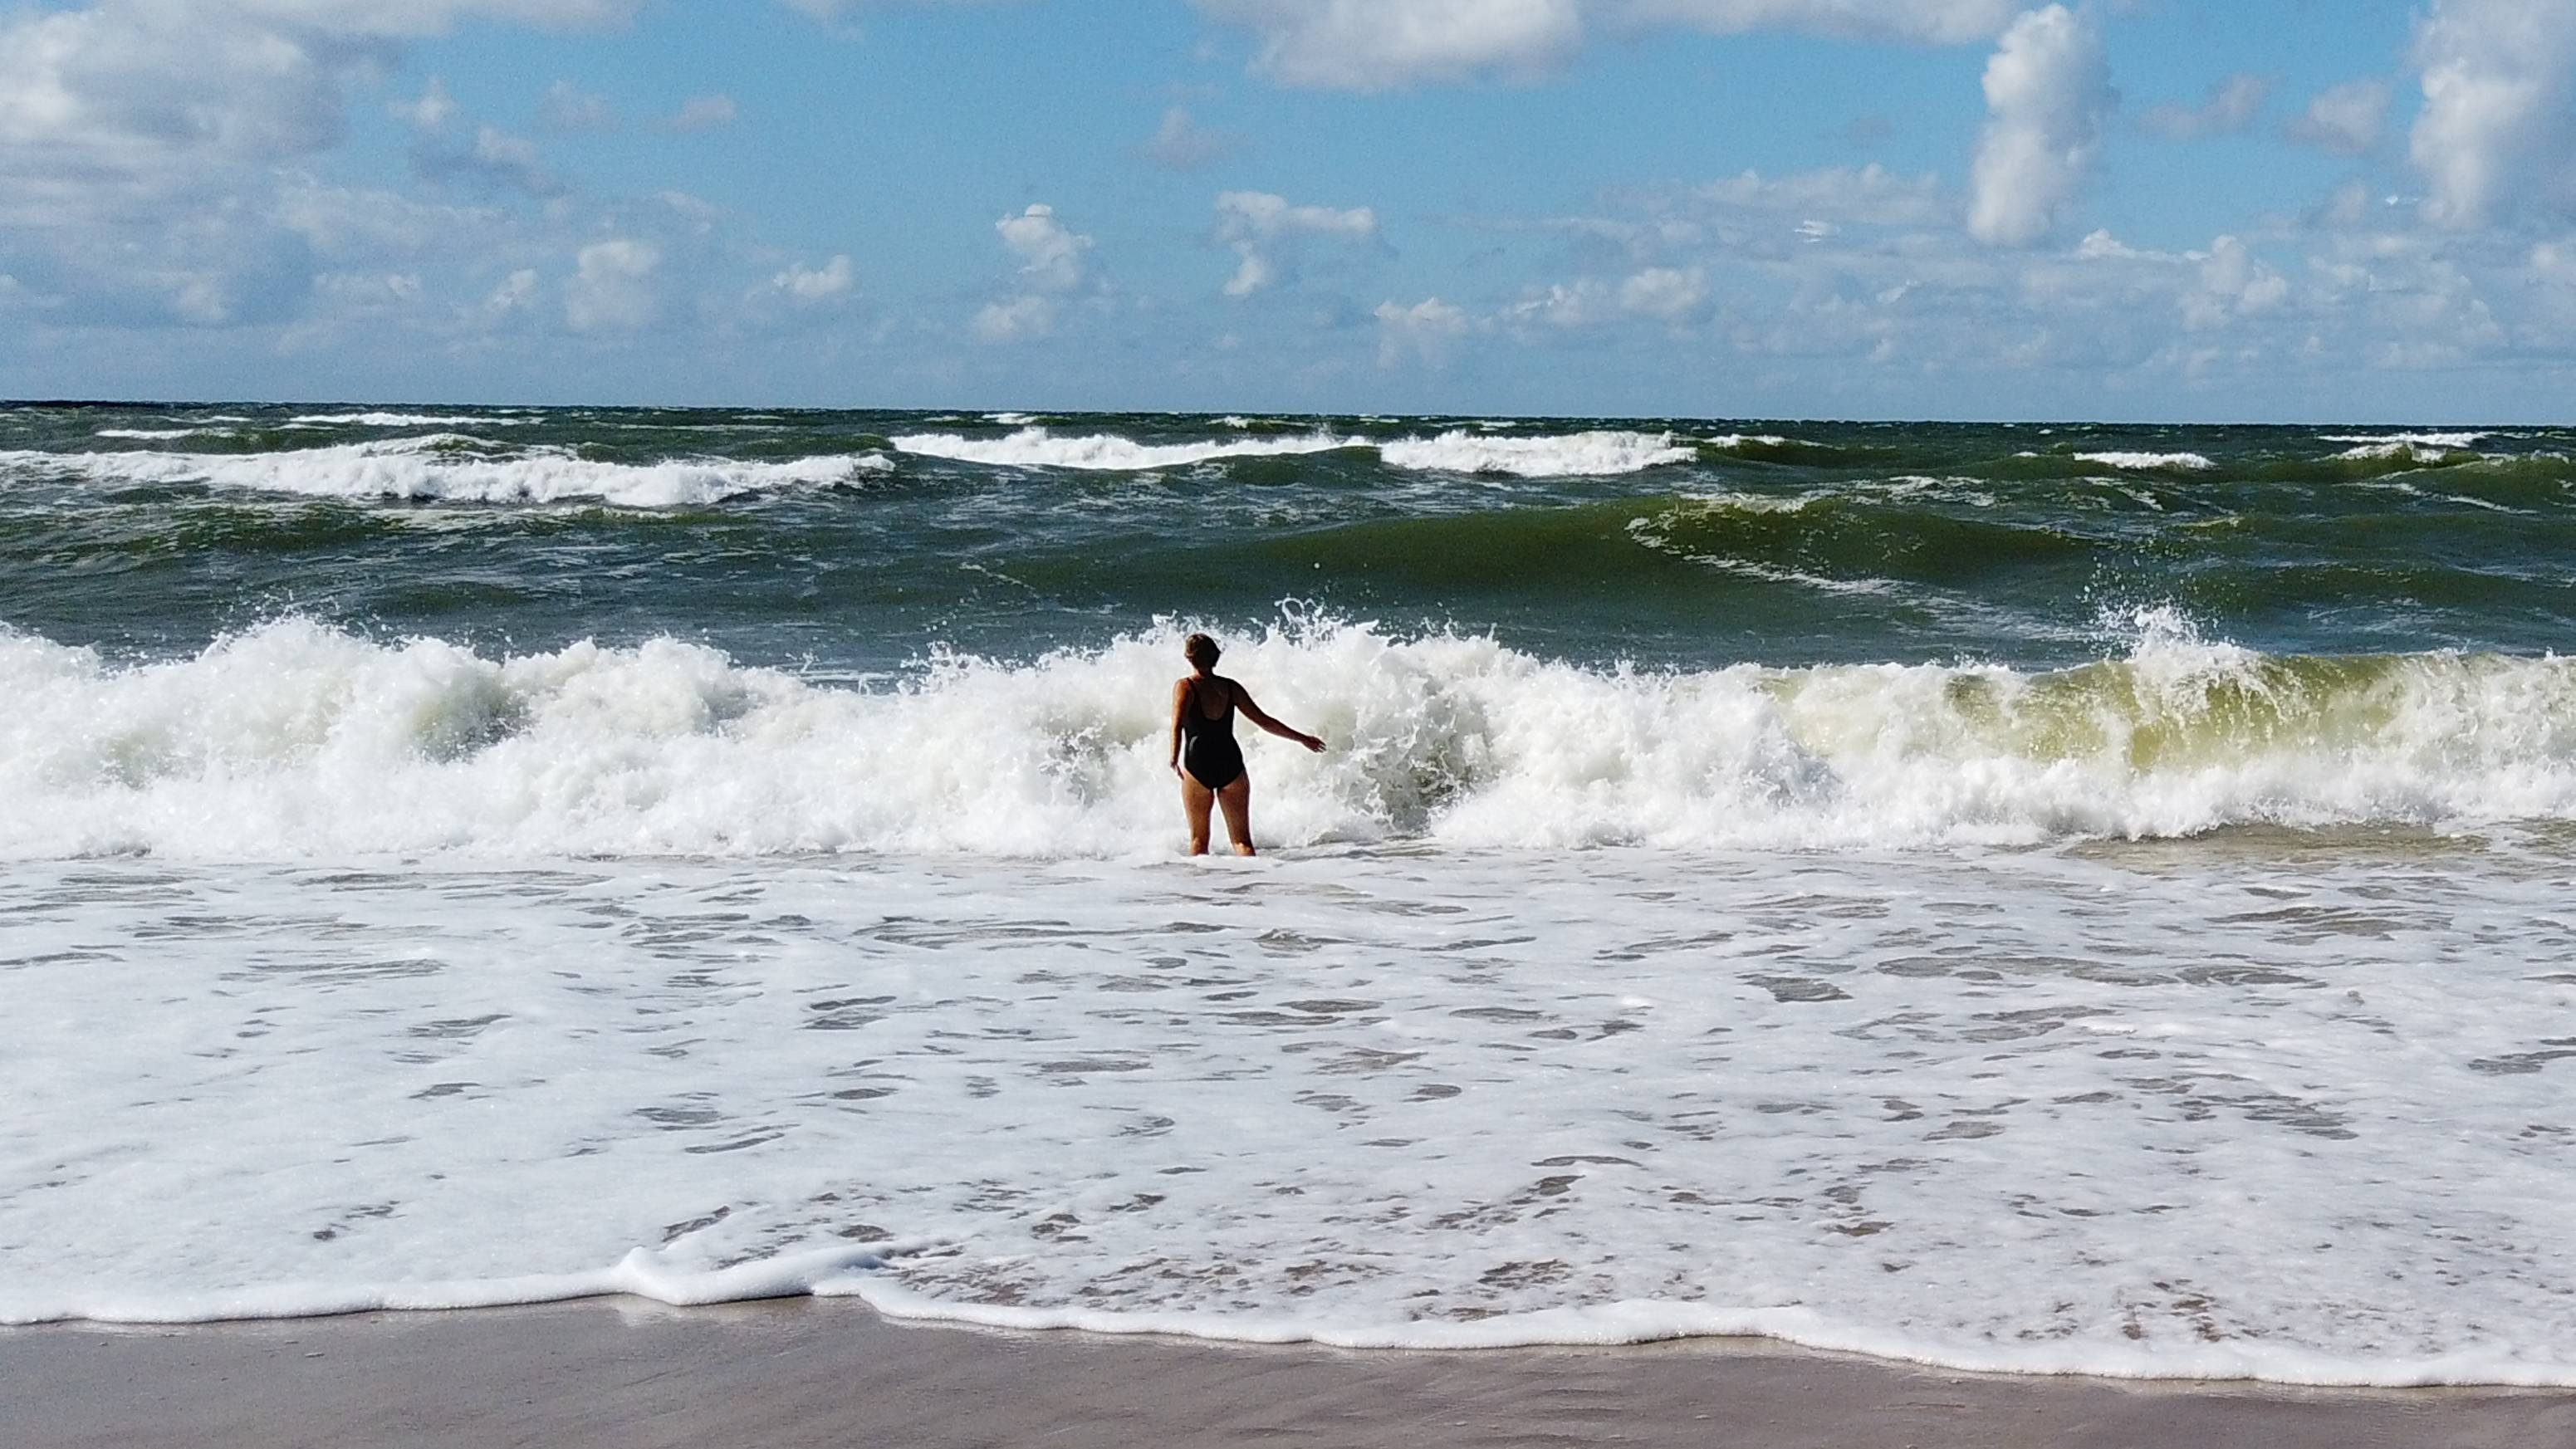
(2278, 1116)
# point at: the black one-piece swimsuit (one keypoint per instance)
(1208, 750)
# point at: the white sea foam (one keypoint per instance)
(2149, 462)
(1558, 456)
(2133, 1111)
(1735, 441)
(1106, 452)
(157, 434)
(2436, 441)
(407, 420)
(2413, 450)
(293, 741)
(449, 467)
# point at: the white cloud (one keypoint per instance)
(1869, 195)
(1937, 22)
(1182, 144)
(612, 290)
(2229, 108)
(1425, 330)
(1051, 256)
(1671, 295)
(1667, 293)
(2048, 89)
(567, 107)
(698, 113)
(1255, 223)
(147, 147)
(828, 282)
(493, 158)
(1016, 319)
(517, 292)
(2233, 283)
(1381, 44)
(2496, 76)
(432, 111)
(2344, 119)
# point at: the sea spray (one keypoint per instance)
(293, 740)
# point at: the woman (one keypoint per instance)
(1204, 753)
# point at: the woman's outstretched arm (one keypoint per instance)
(1254, 712)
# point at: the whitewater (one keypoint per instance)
(2037, 900)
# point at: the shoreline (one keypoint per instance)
(630, 1372)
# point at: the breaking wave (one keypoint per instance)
(451, 467)
(294, 740)
(1457, 451)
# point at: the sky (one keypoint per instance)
(2155, 210)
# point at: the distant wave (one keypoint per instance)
(1562, 455)
(451, 468)
(406, 420)
(294, 740)
(2404, 450)
(2150, 462)
(1457, 451)
(1105, 452)
(2427, 440)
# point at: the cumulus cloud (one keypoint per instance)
(1054, 259)
(430, 111)
(567, 107)
(1868, 195)
(1015, 319)
(1671, 295)
(146, 145)
(493, 157)
(1261, 227)
(1935, 22)
(1381, 44)
(2048, 89)
(810, 285)
(1424, 330)
(2344, 119)
(1182, 144)
(699, 113)
(1668, 294)
(612, 287)
(2495, 75)
(516, 293)
(2229, 109)
(1051, 255)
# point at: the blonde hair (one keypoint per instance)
(1201, 651)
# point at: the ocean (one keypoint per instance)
(2021, 898)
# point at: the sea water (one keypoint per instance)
(2045, 900)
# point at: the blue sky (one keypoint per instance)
(2159, 209)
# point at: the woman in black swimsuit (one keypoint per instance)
(1204, 753)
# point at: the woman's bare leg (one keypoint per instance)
(1195, 800)
(1237, 800)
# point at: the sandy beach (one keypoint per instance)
(632, 1374)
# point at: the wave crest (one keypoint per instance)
(451, 467)
(295, 740)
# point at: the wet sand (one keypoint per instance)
(630, 1374)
